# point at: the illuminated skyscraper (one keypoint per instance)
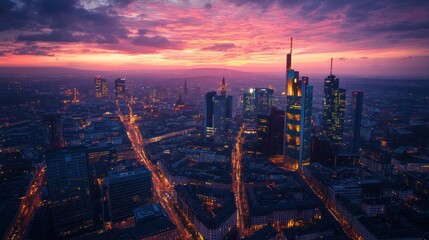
(263, 100)
(120, 88)
(218, 110)
(209, 114)
(101, 89)
(104, 88)
(297, 130)
(333, 109)
(68, 185)
(249, 106)
(357, 101)
(257, 101)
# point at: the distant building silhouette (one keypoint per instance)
(357, 102)
(185, 89)
(120, 88)
(68, 185)
(297, 125)
(179, 105)
(333, 109)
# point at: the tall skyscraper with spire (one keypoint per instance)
(333, 109)
(218, 110)
(297, 125)
(223, 87)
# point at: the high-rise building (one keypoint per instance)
(263, 132)
(333, 109)
(357, 101)
(297, 124)
(269, 133)
(101, 89)
(263, 100)
(209, 114)
(218, 110)
(257, 101)
(127, 190)
(104, 89)
(55, 131)
(249, 106)
(120, 88)
(69, 192)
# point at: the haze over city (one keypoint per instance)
(366, 38)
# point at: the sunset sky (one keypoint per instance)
(366, 37)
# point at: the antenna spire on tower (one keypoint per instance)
(223, 87)
(289, 57)
(332, 59)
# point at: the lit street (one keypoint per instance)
(29, 204)
(238, 186)
(161, 187)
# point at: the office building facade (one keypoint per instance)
(218, 114)
(55, 131)
(269, 133)
(334, 104)
(257, 101)
(297, 125)
(120, 88)
(68, 185)
(127, 190)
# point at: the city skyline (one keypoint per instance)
(366, 38)
(205, 120)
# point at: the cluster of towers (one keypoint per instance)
(102, 90)
(289, 131)
(298, 127)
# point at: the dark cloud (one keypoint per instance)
(208, 6)
(343, 58)
(155, 41)
(55, 36)
(121, 3)
(35, 50)
(2, 53)
(220, 47)
(261, 3)
(67, 20)
(359, 19)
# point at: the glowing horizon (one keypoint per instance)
(365, 37)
